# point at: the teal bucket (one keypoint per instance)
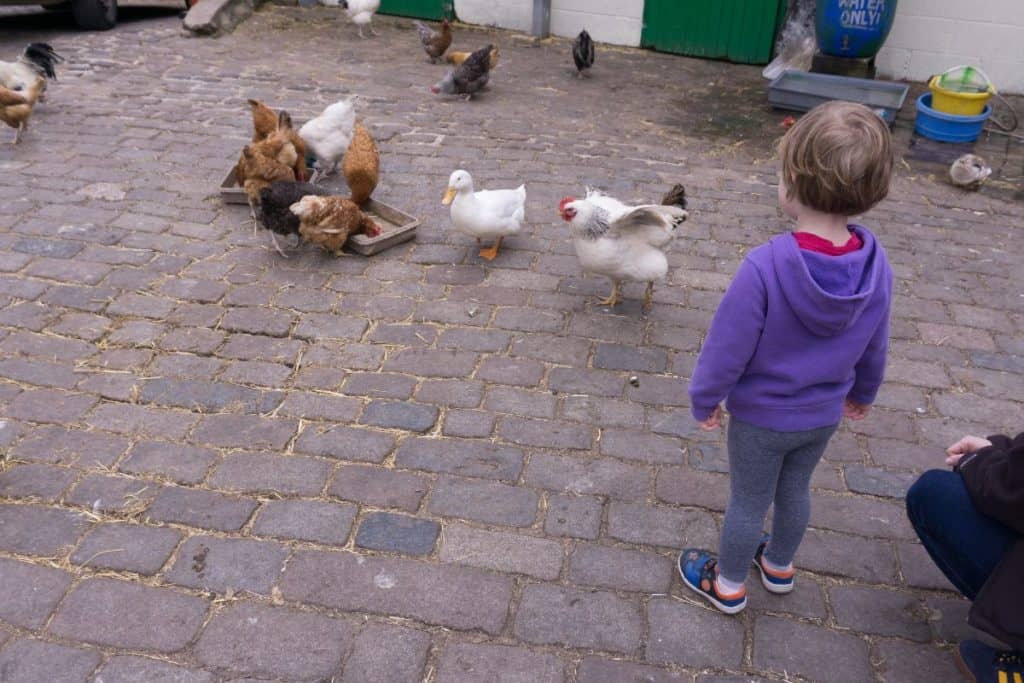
(937, 125)
(853, 28)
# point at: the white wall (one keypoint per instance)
(607, 21)
(930, 36)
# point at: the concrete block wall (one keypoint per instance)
(930, 36)
(608, 21)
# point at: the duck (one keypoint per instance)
(485, 214)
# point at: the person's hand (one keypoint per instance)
(714, 420)
(856, 411)
(967, 444)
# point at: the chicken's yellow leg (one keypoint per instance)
(649, 295)
(613, 298)
(491, 252)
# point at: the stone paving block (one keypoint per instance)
(345, 443)
(641, 446)
(62, 446)
(619, 569)
(203, 509)
(545, 433)
(244, 431)
(681, 633)
(453, 393)
(785, 646)
(196, 394)
(949, 619)
(483, 663)
(594, 476)
(490, 503)
(520, 402)
(130, 669)
(659, 390)
(866, 559)
(38, 530)
(379, 487)
(918, 568)
(104, 493)
(37, 372)
(142, 421)
(588, 382)
(433, 363)
(880, 612)
(515, 371)
(178, 462)
(29, 592)
(50, 405)
(273, 641)
(35, 481)
(462, 457)
(604, 412)
(908, 663)
(306, 520)
(644, 524)
(34, 661)
(859, 515)
(686, 486)
(595, 669)
(468, 423)
(156, 619)
(397, 533)
(271, 473)
(806, 600)
(380, 385)
(399, 415)
(576, 516)
(554, 615)
(878, 482)
(227, 565)
(456, 597)
(708, 457)
(131, 547)
(385, 653)
(257, 320)
(501, 551)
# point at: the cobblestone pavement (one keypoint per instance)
(419, 466)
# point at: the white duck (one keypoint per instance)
(487, 214)
(624, 243)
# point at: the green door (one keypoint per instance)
(421, 9)
(737, 30)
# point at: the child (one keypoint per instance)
(799, 340)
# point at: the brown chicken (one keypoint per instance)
(435, 42)
(329, 221)
(16, 107)
(264, 162)
(457, 58)
(361, 165)
(265, 121)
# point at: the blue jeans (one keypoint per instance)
(965, 544)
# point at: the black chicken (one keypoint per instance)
(469, 77)
(274, 213)
(583, 52)
(675, 197)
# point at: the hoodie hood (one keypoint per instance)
(828, 294)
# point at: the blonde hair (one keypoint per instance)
(838, 159)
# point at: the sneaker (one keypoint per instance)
(773, 581)
(698, 570)
(984, 664)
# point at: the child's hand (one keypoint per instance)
(967, 444)
(856, 411)
(714, 420)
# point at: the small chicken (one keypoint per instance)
(583, 52)
(675, 197)
(329, 134)
(487, 214)
(469, 77)
(969, 172)
(275, 208)
(329, 221)
(434, 42)
(264, 120)
(16, 107)
(37, 60)
(457, 58)
(361, 165)
(359, 11)
(622, 242)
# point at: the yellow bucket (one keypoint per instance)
(959, 103)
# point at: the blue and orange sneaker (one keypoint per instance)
(984, 664)
(773, 581)
(698, 569)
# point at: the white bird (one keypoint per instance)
(969, 172)
(624, 243)
(359, 11)
(329, 134)
(487, 214)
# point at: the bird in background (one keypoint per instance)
(583, 52)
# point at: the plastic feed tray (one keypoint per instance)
(802, 91)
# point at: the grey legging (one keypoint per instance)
(767, 466)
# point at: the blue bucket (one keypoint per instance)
(937, 125)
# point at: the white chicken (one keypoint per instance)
(37, 60)
(328, 135)
(624, 243)
(487, 214)
(359, 11)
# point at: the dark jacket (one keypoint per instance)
(995, 480)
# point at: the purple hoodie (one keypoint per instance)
(796, 333)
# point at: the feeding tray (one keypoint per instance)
(396, 225)
(802, 91)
